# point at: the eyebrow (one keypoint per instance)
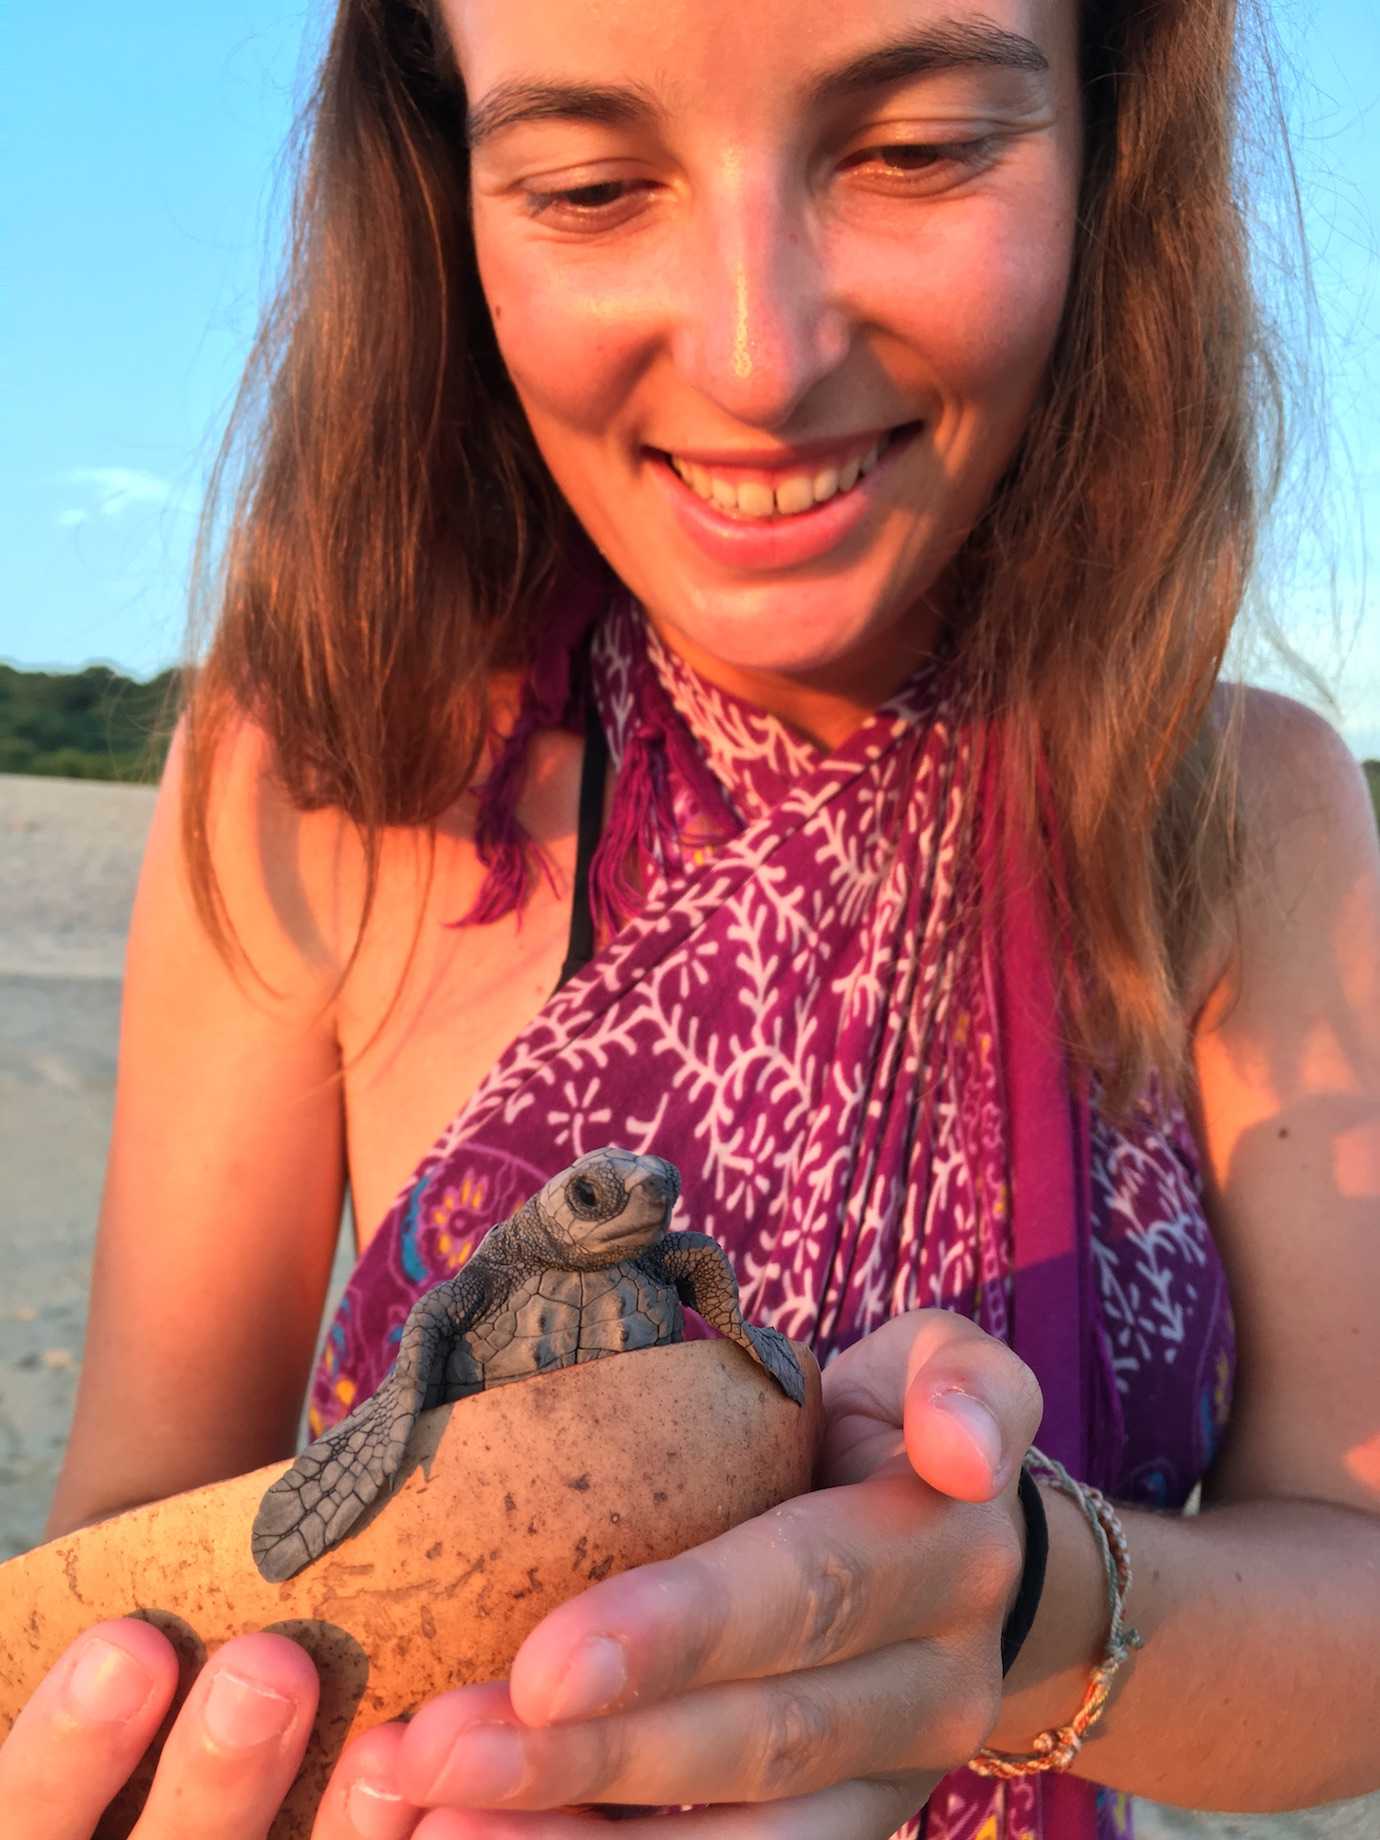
(950, 44)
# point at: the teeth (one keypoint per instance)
(754, 499)
(796, 493)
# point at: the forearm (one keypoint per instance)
(1258, 1687)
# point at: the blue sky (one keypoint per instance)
(140, 143)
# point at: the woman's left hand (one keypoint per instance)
(811, 1673)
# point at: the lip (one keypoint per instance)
(779, 463)
(769, 544)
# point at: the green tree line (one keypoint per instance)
(96, 724)
(91, 724)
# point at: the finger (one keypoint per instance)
(484, 1706)
(972, 1410)
(848, 1811)
(83, 1731)
(362, 1799)
(965, 1406)
(815, 1581)
(914, 1707)
(236, 1744)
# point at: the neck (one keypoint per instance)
(826, 703)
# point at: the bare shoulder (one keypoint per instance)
(1311, 856)
(297, 880)
(1299, 779)
(276, 865)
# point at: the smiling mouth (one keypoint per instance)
(756, 496)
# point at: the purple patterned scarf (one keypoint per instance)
(807, 998)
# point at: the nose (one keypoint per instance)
(670, 1176)
(657, 1175)
(760, 324)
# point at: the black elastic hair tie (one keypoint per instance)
(1018, 1623)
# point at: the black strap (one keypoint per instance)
(1018, 1624)
(593, 773)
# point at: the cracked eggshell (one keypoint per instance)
(508, 1503)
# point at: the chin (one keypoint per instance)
(793, 629)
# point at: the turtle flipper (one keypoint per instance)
(332, 1482)
(317, 1501)
(698, 1267)
(774, 1352)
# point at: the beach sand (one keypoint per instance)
(69, 857)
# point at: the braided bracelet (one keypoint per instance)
(1057, 1748)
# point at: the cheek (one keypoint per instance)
(976, 311)
(965, 310)
(1018, 308)
(563, 334)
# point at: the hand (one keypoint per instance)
(228, 1761)
(811, 1673)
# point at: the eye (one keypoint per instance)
(585, 206)
(584, 1194)
(903, 163)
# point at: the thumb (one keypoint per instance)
(971, 1411)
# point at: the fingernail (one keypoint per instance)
(239, 1714)
(486, 1764)
(107, 1685)
(594, 1677)
(376, 1813)
(978, 1422)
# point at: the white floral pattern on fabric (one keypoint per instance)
(750, 753)
(1161, 1286)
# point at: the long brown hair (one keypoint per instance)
(395, 528)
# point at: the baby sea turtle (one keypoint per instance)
(586, 1268)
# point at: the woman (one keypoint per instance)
(898, 365)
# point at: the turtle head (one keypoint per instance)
(611, 1205)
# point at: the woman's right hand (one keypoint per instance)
(228, 1761)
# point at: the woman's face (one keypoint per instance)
(757, 240)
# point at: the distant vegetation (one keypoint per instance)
(96, 724)
(91, 724)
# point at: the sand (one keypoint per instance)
(69, 857)
(69, 853)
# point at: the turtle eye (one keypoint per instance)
(584, 1195)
